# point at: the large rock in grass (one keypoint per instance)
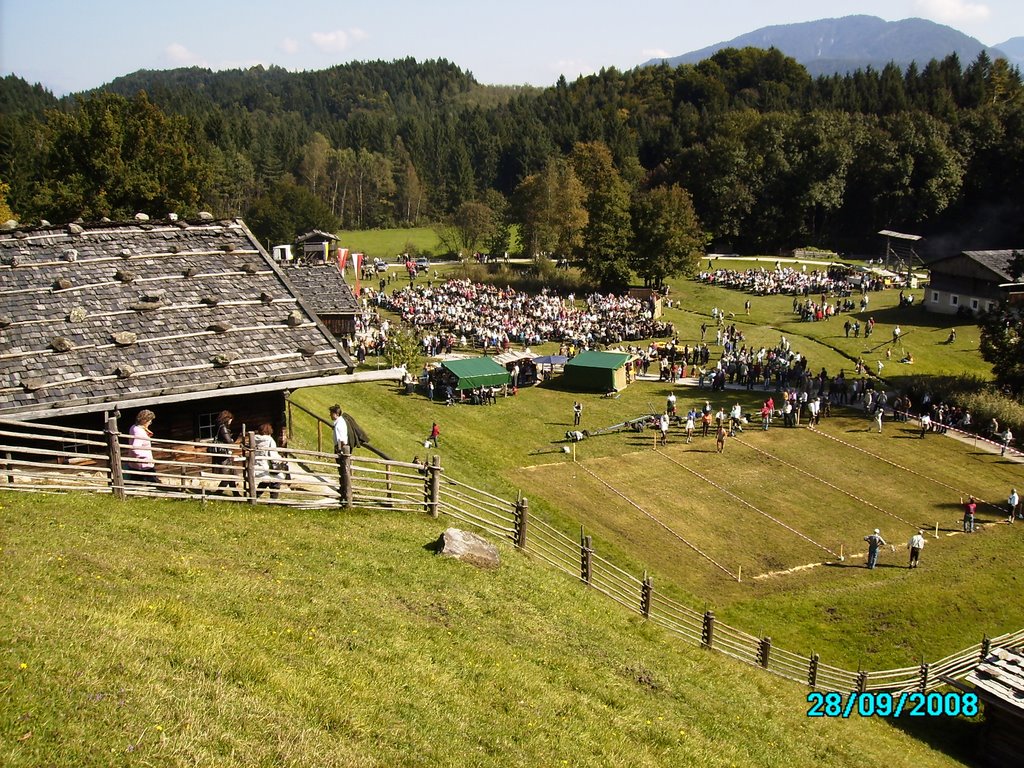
(469, 548)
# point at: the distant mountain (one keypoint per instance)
(1014, 49)
(843, 45)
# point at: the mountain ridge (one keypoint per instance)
(846, 44)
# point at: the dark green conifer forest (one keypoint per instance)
(744, 151)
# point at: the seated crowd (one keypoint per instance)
(492, 317)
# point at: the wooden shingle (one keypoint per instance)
(134, 299)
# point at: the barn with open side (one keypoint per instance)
(597, 371)
(183, 318)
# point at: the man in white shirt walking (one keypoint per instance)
(916, 545)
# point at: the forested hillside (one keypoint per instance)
(746, 147)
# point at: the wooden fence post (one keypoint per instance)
(345, 476)
(586, 563)
(434, 488)
(390, 488)
(646, 592)
(10, 467)
(522, 519)
(114, 456)
(707, 633)
(923, 674)
(319, 436)
(812, 671)
(249, 471)
(764, 651)
(862, 681)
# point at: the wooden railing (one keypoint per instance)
(40, 458)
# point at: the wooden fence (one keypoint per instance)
(48, 459)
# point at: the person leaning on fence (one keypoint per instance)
(268, 463)
(916, 545)
(141, 465)
(874, 541)
(340, 428)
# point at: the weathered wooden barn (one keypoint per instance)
(999, 684)
(183, 318)
(970, 281)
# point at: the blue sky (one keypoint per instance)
(73, 45)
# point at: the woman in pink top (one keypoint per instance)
(141, 466)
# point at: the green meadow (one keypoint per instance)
(158, 632)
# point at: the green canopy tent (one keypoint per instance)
(477, 372)
(599, 371)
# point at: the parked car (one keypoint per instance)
(422, 264)
(379, 265)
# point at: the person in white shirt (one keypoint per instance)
(663, 426)
(916, 545)
(340, 428)
(1014, 505)
(736, 419)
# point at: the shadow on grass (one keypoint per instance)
(956, 737)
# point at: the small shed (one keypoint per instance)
(999, 683)
(476, 372)
(316, 246)
(597, 371)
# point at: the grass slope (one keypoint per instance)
(173, 634)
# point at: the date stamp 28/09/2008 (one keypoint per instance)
(870, 704)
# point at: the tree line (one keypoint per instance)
(626, 172)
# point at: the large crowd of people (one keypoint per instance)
(761, 281)
(488, 316)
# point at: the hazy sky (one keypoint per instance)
(73, 45)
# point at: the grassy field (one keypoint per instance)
(388, 243)
(173, 633)
(772, 502)
(178, 634)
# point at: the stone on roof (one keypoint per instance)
(1000, 678)
(80, 336)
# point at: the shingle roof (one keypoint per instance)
(996, 261)
(316, 235)
(324, 289)
(1001, 677)
(96, 314)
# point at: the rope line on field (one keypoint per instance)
(746, 503)
(905, 469)
(826, 482)
(643, 511)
